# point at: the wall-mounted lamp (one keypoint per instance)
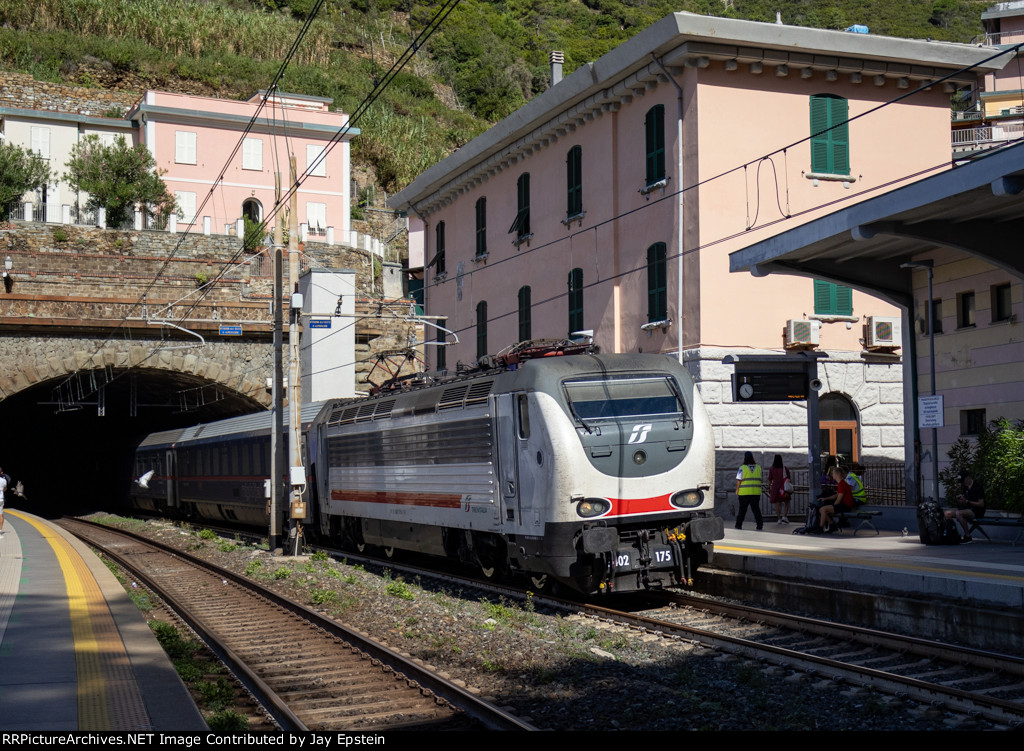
(8, 280)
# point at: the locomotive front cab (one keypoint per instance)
(641, 486)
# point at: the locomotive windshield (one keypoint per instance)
(623, 397)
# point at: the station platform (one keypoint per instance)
(75, 652)
(970, 593)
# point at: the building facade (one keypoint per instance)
(195, 143)
(610, 204)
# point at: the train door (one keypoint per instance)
(169, 481)
(508, 464)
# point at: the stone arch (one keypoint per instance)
(27, 361)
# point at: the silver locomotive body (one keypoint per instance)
(595, 471)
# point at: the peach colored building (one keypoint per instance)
(994, 115)
(610, 203)
(195, 141)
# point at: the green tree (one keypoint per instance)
(117, 178)
(20, 172)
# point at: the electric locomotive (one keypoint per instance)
(595, 471)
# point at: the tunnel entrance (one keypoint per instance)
(71, 443)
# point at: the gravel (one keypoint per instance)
(563, 672)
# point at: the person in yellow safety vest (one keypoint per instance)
(748, 490)
(860, 494)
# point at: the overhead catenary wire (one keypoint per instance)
(441, 14)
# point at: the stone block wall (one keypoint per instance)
(63, 272)
(24, 92)
(769, 428)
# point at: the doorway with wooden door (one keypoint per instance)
(839, 430)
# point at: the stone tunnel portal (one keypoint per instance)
(69, 440)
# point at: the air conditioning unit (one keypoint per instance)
(802, 334)
(883, 332)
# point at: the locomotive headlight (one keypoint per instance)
(639, 457)
(688, 498)
(591, 507)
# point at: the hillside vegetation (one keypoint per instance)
(487, 59)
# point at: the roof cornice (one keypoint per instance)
(687, 40)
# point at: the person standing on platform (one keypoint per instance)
(748, 490)
(778, 477)
(3, 489)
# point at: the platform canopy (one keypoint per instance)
(976, 208)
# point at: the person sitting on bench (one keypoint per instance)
(840, 501)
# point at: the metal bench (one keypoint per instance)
(977, 525)
(867, 519)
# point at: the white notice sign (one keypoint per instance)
(929, 411)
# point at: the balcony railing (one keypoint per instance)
(987, 136)
(1004, 37)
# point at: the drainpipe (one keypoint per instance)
(679, 219)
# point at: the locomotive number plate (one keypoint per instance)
(629, 558)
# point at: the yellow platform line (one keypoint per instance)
(108, 696)
(872, 563)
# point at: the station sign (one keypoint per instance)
(230, 330)
(319, 323)
(770, 385)
(929, 412)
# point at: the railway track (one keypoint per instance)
(973, 682)
(978, 683)
(308, 671)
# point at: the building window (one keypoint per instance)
(971, 421)
(316, 161)
(574, 181)
(521, 225)
(936, 316)
(657, 283)
(832, 299)
(525, 323)
(442, 349)
(965, 310)
(438, 261)
(654, 129)
(575, 300)
(41, 141)
(481, 227)
(830, 135)
(186, 203)
(481, 329)
(1002, 305)
(184, 147)
(252, 154)
(316, 218)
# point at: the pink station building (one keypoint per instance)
(196, 140)
(610, 204)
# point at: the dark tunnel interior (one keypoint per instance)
(71, 444)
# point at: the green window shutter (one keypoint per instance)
(830, 146)
(574, 181)
(844, 300)
(525, 322)
(657, 283)
(481, 227)
(654, 126)
(481, 329)
(575, 300)
(832, 299)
